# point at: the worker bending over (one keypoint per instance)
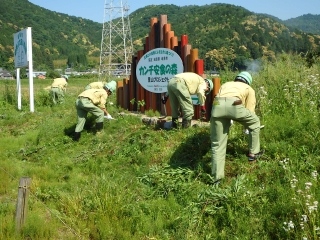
(235, 101)
(58, 88)
(180, 89)
(93, 101)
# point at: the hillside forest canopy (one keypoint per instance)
(226, 36)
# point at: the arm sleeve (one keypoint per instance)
(201, 93)
(103, 100)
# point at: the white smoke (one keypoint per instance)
(253, 66)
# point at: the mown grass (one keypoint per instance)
(140, 182)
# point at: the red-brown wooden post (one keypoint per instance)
(153, 96)
(174, 42)
(168, 37)
(199, 70)
(216, 88)
(186, 54)
(166, 28)
(216, 84)
(133, 83)
(192, 59)
(163, 21)
(153, 22)
(147, 93)
(126, 93)
(162, 31)
(184, 41)
(140, 89)
(120, 93)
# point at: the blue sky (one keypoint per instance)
(94, 9)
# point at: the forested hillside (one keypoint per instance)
(226, 35)
(55, 35)
(308, 23)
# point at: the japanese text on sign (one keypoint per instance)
(158, 51)
(158, 69)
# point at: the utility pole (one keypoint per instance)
(116, 43)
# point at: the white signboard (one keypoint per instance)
(22, 58)
(157, 67)
(20, 49)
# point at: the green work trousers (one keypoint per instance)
(83, 106)
(57, 95)
(179, 96)
(222, 112)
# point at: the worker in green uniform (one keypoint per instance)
(235, 101)
(95, 85)
(180, 88)
(93, 101)
(58, 88)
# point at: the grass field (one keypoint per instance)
(136, 181)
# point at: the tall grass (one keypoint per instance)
(140, 182)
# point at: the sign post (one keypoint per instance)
(23, 58)
(18, 88)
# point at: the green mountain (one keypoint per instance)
(226, 35)
(308, 23)
(55, 35)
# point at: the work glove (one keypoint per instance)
(108, 116)
(246, 131)
(164, 99)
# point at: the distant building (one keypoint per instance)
(36, 74)
(70, 71)
(215, 73)
(40, 76)
(4, 74)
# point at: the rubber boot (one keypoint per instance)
(76, 136)
(174, 123)
(186, 123)
(99, 126)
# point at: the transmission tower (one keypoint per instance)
(116, 44)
